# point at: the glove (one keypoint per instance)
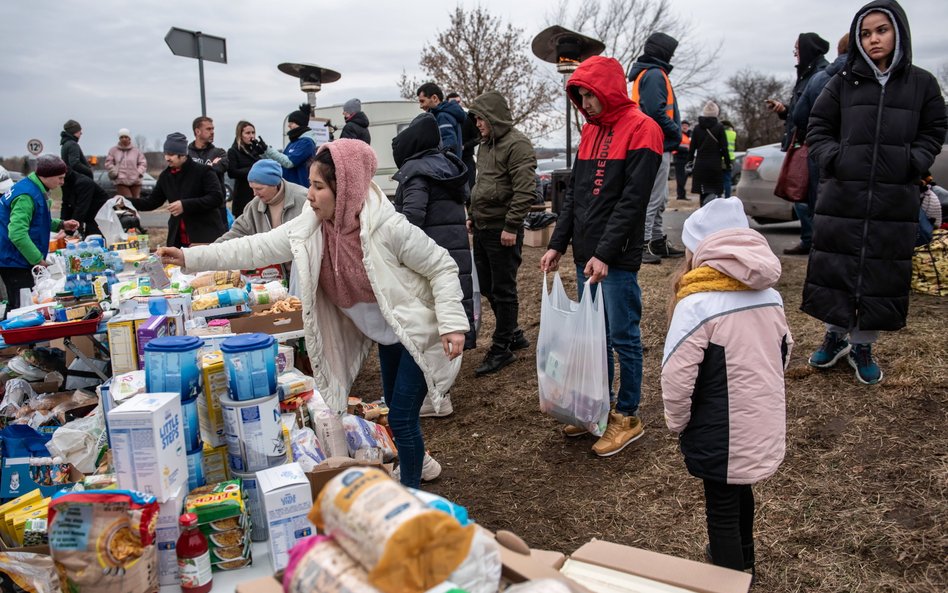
(258, 147)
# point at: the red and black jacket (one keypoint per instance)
(603, 212)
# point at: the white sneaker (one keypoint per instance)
(428, 411)
(430, 469)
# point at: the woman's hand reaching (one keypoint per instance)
(453, 344)
(171, 255)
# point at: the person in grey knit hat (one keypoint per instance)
(69, 149)
(357, 123)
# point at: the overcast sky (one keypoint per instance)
(105, 63)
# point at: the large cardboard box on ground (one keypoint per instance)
(270, 323)
(332, 467)
(538, 238)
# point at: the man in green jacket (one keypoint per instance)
(25, 225)
(731, 134)
(501, 198)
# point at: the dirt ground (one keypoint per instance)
(859, 504)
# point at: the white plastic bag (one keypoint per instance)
(108, 220)
(45, 286)
(571, 358)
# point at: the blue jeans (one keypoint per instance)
(404, 390)
(806, 223)
(623, 300)
(726, 174)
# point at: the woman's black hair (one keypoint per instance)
(327, 168)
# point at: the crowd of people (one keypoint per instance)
(398, 274)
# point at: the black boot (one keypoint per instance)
(495, 360)
(648, 258)
(662, 248)
(519, 341)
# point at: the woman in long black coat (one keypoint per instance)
(874, 130)
(240, 158)
(709, 154)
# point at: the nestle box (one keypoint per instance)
(269, 323)
(147, 436)
(166, 537)
(538, 238)
(287, 501)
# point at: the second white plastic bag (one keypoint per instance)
(571, 357)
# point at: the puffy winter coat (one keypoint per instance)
(199, 190)
(603, 213)
(432, 189)
(357, 127)
(296, 157)
(872, 144)
(256, 217)
(506, 169)
(82, 200)
(71, 153)
(128, 163)
(239, 162)
(414, 281)
(722, 370)
(708, 150)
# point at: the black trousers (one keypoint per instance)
(13, 280)
(730, 512)
(681, 178)
(497, 274)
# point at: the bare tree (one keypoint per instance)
(141, 141)
(748, 91)
(479, 52)
(624, 26)
(942, 76)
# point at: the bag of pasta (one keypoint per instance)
(104, 541)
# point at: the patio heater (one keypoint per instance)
(312, 78)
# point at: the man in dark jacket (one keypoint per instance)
(653, 92)
(82, 199)
(193, 194)
(680, 157)
(357, 122)
(506, 186)
(449, 114)
(432, 189)
(808, 50)
(70, 150)
(203, 152)
(603, 216)
(470, 138)
(874, 130)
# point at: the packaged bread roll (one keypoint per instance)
(405, 546)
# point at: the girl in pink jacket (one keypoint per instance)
(722, 371)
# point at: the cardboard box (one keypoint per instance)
(216, 464)
(16, 479)
(123, 344)
(166, 537)
(332, 467)
(272, 323)
(285, 491)
(214, 381)
(538, 238)
(147, 436)
(155, 326)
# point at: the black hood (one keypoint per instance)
(359, 119)
(420, 136)
(707, 122)
(65, 137)
(855, 57)
(812, 48)
(661, 46)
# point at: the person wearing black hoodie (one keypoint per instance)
(82, 199)
(357, 122)
(70, 151)
(653, 91)
(808, 50)
(710, 155)
(874, 131)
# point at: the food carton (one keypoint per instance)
(287, 500)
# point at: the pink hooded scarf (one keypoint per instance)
(342, 273)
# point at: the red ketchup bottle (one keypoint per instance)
(194, 559)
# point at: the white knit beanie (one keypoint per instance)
(124, 132)
(717, 215)
(710, 109)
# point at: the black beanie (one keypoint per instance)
(176, 143)
(300, 117)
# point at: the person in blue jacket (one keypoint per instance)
(449, 114)
(299, 153)
(25, 224)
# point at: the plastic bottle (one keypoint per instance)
(70, 285)
(194, 559)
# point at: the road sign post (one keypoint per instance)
(195, 44)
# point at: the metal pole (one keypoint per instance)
(201, 73)
(569, 128)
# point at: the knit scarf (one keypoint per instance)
(342, 274)
(295, 133)
(705, 279)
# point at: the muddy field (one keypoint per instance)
(859, 504)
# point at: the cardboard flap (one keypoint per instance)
(518, 568)
(687, 574)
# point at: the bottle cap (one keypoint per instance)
(188, 520)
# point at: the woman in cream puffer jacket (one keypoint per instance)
(413, 280)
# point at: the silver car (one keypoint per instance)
(759, 173)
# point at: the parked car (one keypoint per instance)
(6, 181)
(101, 177)
(545, 168)
(759, 171)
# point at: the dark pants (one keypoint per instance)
(14, 279)
(681, 178)
(404, 390)
(730, 512)
(726, 174)
(497, 274)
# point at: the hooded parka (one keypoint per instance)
(873, 135)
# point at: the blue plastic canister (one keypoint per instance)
(250, 364)
(171, 365)
(196, 469)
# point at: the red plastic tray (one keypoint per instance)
(50, 331)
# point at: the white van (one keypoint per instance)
(386, 120)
